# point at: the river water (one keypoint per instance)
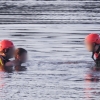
(53, 32)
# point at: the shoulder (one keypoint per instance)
(9, 64)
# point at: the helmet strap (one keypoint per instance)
(5, 51)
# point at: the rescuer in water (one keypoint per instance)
(7, 50)
(92, 42)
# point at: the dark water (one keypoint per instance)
(53, 32)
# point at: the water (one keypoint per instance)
(59, 67)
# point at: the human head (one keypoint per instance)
(91, 40)
(7, 48)
(21, 55)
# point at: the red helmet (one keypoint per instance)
(93, 38)
(5, 44)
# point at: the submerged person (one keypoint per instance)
(6, 53)
(20, 58)
(92, 42)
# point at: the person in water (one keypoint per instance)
(6, 53)
(20, 58)
(92, 42)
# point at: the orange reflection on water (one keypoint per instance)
(89, 79)
(1, 79)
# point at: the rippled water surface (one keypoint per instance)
(53, 31)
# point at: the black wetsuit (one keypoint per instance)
(97, 61)
(4, 59)
(96, 51)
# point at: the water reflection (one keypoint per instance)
(93, 75)
(1, 80)
(92, 79)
